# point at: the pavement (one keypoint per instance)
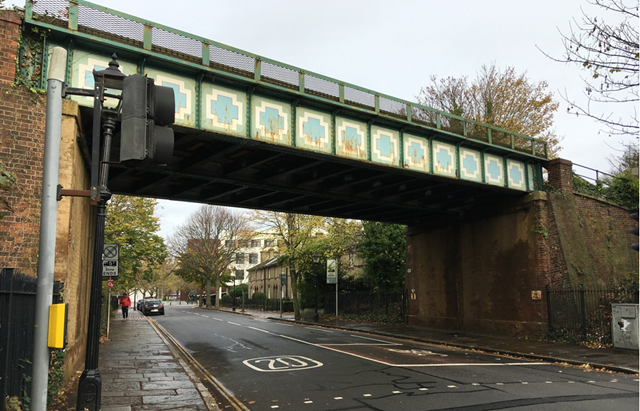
(142, 371)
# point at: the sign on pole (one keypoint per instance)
(110, 255)
(332, 272)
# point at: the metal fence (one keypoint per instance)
(272, 305)
(585, 314)
(17, 316)
(357, 299)
(17, 320)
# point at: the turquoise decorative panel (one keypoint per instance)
(81, 75)
(183, 88)
(444, 159)
(516, 173)
(271, 120)
(313, 130)
(385, 146)
(416, 153)
(494, 170)
(351, 138)
(470, 165)
(224, 110)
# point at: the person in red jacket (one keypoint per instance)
(125, 303)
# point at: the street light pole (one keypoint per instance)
(234, 293)
(90, 384)
(316, 260)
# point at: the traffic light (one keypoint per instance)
(634, 216)
(147, 111)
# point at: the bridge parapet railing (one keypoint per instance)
(98, 21)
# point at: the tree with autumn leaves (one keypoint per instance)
(130, 223)
(206, 245)
(502, 98)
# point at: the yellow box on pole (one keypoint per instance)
(57, 326)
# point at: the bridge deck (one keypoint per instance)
(254, 132)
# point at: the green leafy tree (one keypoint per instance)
(206, 245)
(383, 247)
(293, 232)
(130, 223)
(502, 98)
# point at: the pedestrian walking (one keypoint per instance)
(125, 303)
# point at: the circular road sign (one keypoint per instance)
(110, 283)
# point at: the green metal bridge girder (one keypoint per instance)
(236, 93)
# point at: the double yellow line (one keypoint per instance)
(195, 365)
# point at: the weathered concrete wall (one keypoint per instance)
(479, 275)
(22, 121)
(489, 273)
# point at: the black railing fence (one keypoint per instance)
(585, 313)
(17, 316)
(17, 320)
(390, 304)
(258, 305)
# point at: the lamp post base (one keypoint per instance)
(89, 391)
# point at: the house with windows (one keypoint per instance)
(251, 253)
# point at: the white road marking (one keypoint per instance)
(397, 392)
(205, 316)
(451, 386)
(217, 319)
(327, 347)
(548, 382)
(275, 406)
(261, 330)
(229, 322)
(308, 402)
(424, 389)
(337, 398)
(499, 383)
(524, 383)
(366, 395)
(474, 383)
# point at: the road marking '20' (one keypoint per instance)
(282, 363)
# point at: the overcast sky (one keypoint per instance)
(395, 46)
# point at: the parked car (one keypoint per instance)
(152, 306)
(139, 305)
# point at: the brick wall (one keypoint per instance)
(22, 120)
(22, 128)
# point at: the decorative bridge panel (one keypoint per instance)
(231, 92)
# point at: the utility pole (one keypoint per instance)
(48, 217)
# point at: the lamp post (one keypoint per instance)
(90, 384)
(234, 293)
(316, 260)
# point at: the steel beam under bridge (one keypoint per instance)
(256, 133)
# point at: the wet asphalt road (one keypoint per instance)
(271, 365)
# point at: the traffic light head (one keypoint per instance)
(147, 111)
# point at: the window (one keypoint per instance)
(268, 243)
(243, 243)
(255, 243)
(240, 258)
(228, 243)
(253, 258)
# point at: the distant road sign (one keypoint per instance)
(109, 283)
(332, 272)
(110, 258)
